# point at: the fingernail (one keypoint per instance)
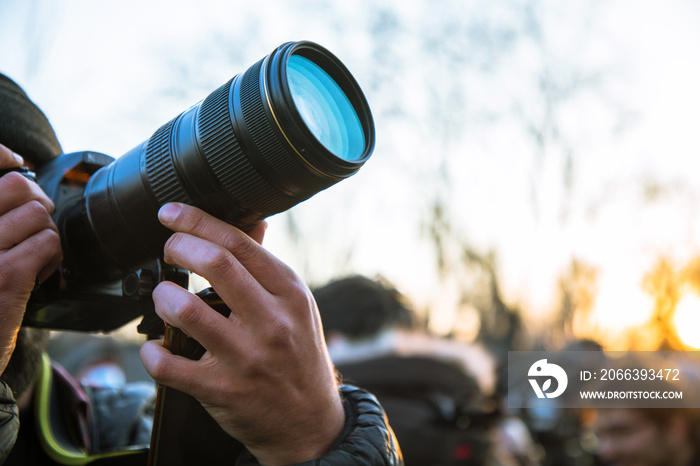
(18, 158)
(169, 212)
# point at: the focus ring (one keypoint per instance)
(160, 168)
(227, 160)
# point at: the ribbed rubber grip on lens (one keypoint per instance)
(225, 157)
(160, 168)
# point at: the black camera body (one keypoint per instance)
(293, 124)
(71, 300)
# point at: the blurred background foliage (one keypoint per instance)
(535, 175)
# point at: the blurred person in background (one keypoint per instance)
(638, 435)
(438, 393)
(99, 360)
(648, 436)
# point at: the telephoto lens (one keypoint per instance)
(291, 125)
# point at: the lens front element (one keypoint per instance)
(325, 108)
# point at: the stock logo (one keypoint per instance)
(541, 370)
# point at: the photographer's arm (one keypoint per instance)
(30, 248)
(266, 377)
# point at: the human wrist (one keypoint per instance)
(319, 436)
(366, 437)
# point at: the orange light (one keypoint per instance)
(77, 175)
(687, 319)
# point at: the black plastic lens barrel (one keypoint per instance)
(290, 126)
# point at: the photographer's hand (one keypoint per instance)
(266, 377)
(30, 248)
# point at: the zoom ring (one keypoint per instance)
(230, 165)
(160, 168)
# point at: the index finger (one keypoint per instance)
(269, 271)
(9, 159)
(16, 190)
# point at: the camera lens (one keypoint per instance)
(325, 108)
(291, 125)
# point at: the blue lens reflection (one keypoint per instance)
(325, 108)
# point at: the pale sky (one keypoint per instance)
(109, 73)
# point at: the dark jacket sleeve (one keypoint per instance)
(367, 439)
(9, 421)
